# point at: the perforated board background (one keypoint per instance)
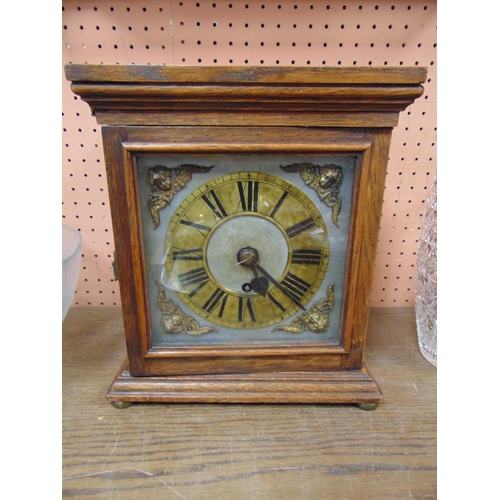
(239, 33)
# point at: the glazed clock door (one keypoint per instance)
(245, 250)
(239, 253)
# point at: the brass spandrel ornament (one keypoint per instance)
(325, 180)
(164, 182)
(317, 319)
(173, 320)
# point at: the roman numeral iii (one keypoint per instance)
(306, 257)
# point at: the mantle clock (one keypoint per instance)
(246, 205)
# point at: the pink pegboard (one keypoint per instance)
(239, 33)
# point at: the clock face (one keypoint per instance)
(246, 250)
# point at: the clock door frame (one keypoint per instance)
(124, 144)
(148, 110)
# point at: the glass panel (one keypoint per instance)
(245, 249)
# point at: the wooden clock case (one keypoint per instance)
(153, 110)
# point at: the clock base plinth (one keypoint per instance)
(345, 386)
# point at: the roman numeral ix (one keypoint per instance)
(194, 254)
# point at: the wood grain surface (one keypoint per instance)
(154, 95)
(223, 451)
(253, 74)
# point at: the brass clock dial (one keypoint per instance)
(246, 250)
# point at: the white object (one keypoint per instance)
(71, 258)
(426, 283)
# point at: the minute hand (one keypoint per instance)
(278, 285)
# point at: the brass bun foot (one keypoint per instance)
(121, 404)
(368, 406)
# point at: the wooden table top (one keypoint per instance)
(222, 451)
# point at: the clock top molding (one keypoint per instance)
(246, 96)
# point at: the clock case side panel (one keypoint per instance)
(129, 262)
(365, 230)
(122, 143)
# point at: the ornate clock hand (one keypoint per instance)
(248, 257)
(259, 284)
(278, 285)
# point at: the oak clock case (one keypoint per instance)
(246, 206)
(245, 249)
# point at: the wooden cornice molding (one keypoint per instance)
(159, 95)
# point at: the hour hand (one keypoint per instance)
(259, 284)
(248, 257)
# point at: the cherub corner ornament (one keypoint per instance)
(325, 180)
(173, 320)
(317, 319)
(164, 182)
